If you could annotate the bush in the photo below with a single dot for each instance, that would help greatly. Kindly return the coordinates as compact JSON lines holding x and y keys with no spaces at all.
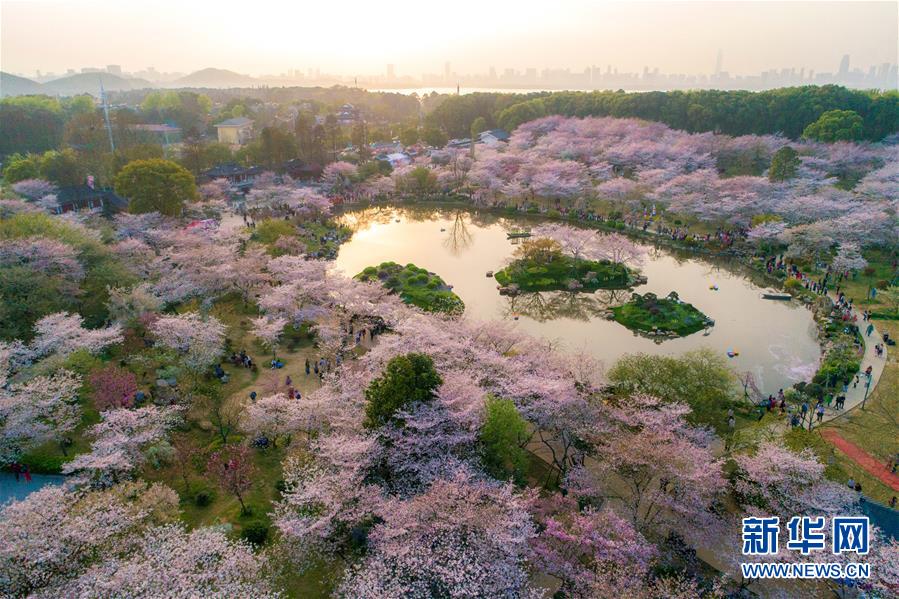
{"x":256,"y":532}
{"x":408,"y":379}
{"x":203,"y":496}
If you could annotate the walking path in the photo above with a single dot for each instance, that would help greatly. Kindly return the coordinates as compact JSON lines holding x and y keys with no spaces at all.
{"x":862,"y":458}
{"x":856,"y":394}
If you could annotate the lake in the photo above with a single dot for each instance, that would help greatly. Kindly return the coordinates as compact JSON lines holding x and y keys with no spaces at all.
{"x":776,"y":340}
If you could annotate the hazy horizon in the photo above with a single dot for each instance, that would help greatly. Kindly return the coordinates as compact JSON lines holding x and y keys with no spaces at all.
{"x":356,"y":38}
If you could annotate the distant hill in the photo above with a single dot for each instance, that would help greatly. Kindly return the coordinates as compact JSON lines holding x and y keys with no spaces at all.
{"x":214,"y":78}
{"x":89,"y":83}
{"x":13,"y":85}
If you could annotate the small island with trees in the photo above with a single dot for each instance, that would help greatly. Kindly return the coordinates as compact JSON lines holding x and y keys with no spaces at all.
{"x":415,"y":286}
{"x":560,"y":257}
{"x":667,"y":316}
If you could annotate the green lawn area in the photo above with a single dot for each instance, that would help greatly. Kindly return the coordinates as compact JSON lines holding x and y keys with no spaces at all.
{"x":416,"y":286}
{"x":876,"y":428}
{"x":320,"y":239}
{"x":648,"y":313}
{"x":563,"y":273}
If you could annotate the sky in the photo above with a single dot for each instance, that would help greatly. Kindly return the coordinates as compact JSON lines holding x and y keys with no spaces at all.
{"x":360,"y":37}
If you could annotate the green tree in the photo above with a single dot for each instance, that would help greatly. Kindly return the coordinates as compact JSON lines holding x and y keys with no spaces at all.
{"x":502,"y":438}
{"x":420,"y":181}
{"x":520,"y":113}
{"x":699,"y":378}
{"x":62,"y":168}
{"x":156,"y":186}
{"x":20,"y":167}
{"x":409,"y":137}
{"x":30,"y":124}
{"x":434,"y":137}
{"x":478,"y":126}
{"x":408,"y":379}
{"x":276,"y":147}
{"x":784,"y":164}
{"x":836,"y":125}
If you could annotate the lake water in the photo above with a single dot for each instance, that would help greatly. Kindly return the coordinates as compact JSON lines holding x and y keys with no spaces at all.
{"x":776,"y":340}
{"x":12,"y":489}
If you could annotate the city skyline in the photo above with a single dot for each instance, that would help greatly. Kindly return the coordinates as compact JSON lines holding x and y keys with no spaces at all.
{"x":846,"y":72}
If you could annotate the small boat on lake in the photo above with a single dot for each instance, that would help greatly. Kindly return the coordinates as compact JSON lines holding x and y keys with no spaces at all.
{"x":518,"y":233}
{"x":489,"y":273}
{"x":777,"y":296}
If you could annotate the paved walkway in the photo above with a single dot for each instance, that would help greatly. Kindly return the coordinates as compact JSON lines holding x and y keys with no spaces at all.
{"x":862,"y":458}
{"x":856,"y":395}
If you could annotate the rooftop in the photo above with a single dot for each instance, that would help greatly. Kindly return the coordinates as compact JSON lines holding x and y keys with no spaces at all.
{"x":240,"y":121}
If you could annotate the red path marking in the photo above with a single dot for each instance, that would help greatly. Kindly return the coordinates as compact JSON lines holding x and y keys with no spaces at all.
{"x":862,"y":458}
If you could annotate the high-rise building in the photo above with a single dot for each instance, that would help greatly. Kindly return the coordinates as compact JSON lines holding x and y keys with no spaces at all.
{"x":844,"y":66}
{"x":114,"y":69}
{"x":390,"y":72}
{"x":719,"y":60}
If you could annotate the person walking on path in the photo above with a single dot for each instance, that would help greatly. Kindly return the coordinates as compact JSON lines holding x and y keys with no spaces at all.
{"x":869,"y":330}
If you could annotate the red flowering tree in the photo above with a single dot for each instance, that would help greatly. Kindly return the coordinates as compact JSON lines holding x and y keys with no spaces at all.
{"x":233,"y":469}
{"x":113,"y":387}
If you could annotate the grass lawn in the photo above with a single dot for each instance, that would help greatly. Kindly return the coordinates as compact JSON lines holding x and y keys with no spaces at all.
{"x":648,"y":313}
{"x":416,"y":286}
{"x":316,"y":238}
{"x":876,"y":428}
{"x":564,"y":273}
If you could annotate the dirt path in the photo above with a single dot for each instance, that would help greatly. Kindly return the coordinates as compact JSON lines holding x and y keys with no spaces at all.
{"x":862,"y":458}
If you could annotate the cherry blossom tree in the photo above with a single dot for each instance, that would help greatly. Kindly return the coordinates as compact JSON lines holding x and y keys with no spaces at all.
{"x":55,"y":535}
{"x":171,"y":561}
{"x":232,"y":467}
{"x":63,"y":333}
{"x":118,"y":442}
{"x":777,"y":481}
{"x":113,"y":387}
{"x":849,"y":258}
{"x":462,"y":538}
{"x":44,"y":408}
{"x":621,"y":250}
{"x":199,"y":340}
{"x":34,"y":189}
{"x":338,"y":177}
{"x":666,"y":466}
{"x":43,"y":255}
{"x":217,"y":189}
{"x":269,"y":330}
{"x":584,"y":548}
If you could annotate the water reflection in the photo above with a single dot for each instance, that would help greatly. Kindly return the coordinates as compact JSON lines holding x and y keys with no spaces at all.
{"x":775,"y":340}
{"x":459,"y":238}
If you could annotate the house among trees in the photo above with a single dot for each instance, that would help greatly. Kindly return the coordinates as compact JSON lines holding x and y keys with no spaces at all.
{"x":156,"y":134}
{"x":72,"y":198}
{"x":492,"y":137}
{"x":236,"y":131}
{"x":347,"y":115}
{"x":237,"y":175}
{"x":298,"y":169}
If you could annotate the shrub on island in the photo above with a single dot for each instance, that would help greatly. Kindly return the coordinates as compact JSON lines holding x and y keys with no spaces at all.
{"x":415,"y":286}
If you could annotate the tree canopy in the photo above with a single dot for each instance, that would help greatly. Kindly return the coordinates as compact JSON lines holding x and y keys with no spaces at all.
{"x":156,"y":185}
{"x":408,"y":379}
{"x":836,"y":125}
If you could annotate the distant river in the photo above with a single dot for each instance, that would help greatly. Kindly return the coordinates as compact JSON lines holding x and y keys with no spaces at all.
{"x":776,"y":340}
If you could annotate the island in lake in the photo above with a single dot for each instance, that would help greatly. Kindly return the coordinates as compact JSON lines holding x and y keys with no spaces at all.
{"x":565,"y":273}
{"x":668,"y":316}
{"x":415,"y":286}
